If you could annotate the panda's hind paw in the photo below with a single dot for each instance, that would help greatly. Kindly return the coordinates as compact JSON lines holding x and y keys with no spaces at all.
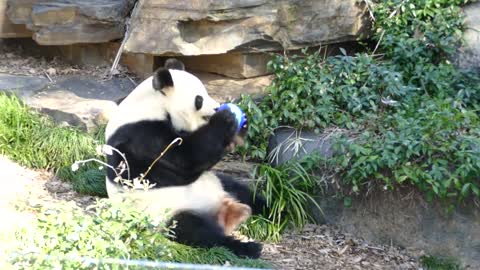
{"x":250,"y":250}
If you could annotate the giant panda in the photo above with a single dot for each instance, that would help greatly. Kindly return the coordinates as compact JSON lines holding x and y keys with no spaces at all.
{"x":205,"y":206}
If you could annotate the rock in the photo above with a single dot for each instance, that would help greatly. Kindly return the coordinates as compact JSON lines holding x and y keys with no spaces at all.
{"x":169,"y":27}
{"x":23,"y":86}
{"x":80,"y":101}
{"x":142,"y":65}
{"x":469,"y":56}
{"x":225,"y":89}
{"x":93,"y":88}
{"x":63,"y":22}
{"x":89,"y":54}
{"x":9,"y":29}
{"x":235,"y":65}
{"x":287,"y":144}
{"x":52,"y":71}
{"x":403,"y":218}
{"x":242,"y":171}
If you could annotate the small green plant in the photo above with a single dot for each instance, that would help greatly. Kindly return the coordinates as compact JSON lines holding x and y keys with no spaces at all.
{"x":287,"y":190}
{"x":437,"y":263}
{"x":105,"y":230}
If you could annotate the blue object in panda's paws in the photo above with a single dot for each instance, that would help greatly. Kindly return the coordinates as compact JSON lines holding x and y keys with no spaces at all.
{"x":239,"y":114}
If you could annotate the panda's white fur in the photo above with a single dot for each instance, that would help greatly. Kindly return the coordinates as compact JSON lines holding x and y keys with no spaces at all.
{"x":171,"y":200}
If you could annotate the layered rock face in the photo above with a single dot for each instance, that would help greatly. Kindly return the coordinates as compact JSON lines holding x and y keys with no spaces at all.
{"x":7,"y":28}
{"x":469,"y":56}
{"x":65,"y":22}
{"x":173,"y":27}
{"x":228,"y":37}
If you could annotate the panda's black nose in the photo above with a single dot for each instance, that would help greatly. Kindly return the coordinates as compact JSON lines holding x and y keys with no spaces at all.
{"x":216,"y":109}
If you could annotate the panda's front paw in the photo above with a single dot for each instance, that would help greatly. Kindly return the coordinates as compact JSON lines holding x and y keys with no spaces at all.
{"x":225,"y":124}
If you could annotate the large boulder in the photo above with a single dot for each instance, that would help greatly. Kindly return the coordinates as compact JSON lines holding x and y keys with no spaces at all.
{"x":81,"y":101}
{"x":469,"y":56}
{"x":64,"y":22}
{"x":170,"y":27}
{"x":7,"y":28}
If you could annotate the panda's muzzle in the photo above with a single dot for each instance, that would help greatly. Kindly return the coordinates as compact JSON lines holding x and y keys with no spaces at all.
{"x":207,"y":117}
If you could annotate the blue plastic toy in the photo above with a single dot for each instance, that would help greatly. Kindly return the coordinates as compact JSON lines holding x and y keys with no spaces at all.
{"x":239,"y":114}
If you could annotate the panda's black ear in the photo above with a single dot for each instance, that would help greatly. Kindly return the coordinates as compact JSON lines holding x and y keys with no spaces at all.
{"x":161,"y":79}
{"x":173,"y":63}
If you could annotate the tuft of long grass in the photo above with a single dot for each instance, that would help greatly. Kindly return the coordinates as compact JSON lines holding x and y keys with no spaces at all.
{"x":439,"y":263}
{"x":288,"y":190}
{"x":33,"y":140}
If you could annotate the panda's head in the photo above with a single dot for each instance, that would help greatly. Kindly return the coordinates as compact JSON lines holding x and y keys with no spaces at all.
{"x":170,"y":93}
{"x":185,"y":98}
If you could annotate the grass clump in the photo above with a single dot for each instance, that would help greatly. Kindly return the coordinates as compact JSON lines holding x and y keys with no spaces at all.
{"x":437,"y":263}
{"x":287,"y":190}
{"x":106,"y":230}
{"x":35,"y":141}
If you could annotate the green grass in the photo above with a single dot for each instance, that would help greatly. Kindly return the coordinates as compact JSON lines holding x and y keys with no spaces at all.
{"x":438,"y":263}
{"x":35,"y":141}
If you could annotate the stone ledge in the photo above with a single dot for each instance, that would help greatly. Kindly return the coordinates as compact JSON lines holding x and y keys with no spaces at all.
{"x":217,"y":27}
{"x":78,"y":101}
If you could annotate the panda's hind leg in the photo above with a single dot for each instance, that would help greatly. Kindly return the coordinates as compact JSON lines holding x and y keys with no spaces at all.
{"x":244,"y":194}
{"x":202,"y":231}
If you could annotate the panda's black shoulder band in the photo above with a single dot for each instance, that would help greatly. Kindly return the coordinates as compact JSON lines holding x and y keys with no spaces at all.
{"x":161,"y":79}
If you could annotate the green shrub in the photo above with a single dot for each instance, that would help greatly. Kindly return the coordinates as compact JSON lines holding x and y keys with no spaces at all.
{"x":435,"y":147}
{"x":106,"y":230}
{"x":408,"y":115}
{"x":308,"y":93}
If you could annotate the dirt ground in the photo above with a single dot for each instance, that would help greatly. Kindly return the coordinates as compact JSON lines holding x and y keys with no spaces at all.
{"x":326,"y":247}
{"x":18,"y":58}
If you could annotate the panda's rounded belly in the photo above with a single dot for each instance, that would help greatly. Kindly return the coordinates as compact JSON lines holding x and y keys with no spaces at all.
{"x":205,"y":195}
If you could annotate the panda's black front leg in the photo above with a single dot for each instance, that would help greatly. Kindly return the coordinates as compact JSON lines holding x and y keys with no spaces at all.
{"x":206,"y":146}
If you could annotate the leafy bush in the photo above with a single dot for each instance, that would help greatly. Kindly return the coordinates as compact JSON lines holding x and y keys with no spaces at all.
{"x":411,"y":116}
{"x":66,"y":233}
{"x":312,"y":94}
{"x":435,"y":147}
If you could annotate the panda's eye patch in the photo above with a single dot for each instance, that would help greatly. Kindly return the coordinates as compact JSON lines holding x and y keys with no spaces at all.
{"x":198,"y":102}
